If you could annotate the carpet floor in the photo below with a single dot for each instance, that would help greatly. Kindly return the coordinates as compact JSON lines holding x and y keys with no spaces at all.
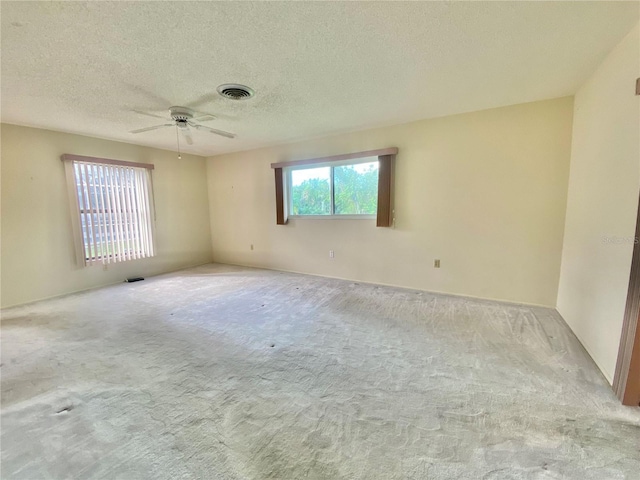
{"x":223,"y":372}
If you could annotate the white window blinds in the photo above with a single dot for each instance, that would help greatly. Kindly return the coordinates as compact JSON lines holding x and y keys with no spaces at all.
{"x":113,"y":205}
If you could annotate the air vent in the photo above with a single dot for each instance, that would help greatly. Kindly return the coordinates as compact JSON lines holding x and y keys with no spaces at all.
{"x":234,"y":91}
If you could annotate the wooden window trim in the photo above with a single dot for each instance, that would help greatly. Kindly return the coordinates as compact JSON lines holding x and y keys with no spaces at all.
{"x":384,"y":217}
{"x":68,"y":157}
{"x":337,"y":158}
{"x":280,"y":212}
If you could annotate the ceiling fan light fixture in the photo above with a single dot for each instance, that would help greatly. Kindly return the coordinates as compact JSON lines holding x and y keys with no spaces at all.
{"x":235,"y":91}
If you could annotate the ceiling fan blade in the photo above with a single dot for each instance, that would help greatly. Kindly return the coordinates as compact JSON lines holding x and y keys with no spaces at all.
{"x":187,"y":135}
{"x":204,"y":99}
{"x":149,"y":114}
{"x":155,"y":127}
{"x":213,"y":130}
{"x":205,"y":117}
{"x":152,"y":98}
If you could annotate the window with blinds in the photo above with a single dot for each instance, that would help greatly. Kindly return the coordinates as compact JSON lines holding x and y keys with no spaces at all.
{"x":112,"y":202}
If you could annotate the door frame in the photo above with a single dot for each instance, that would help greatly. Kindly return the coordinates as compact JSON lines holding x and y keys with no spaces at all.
{"x":626,"y":382}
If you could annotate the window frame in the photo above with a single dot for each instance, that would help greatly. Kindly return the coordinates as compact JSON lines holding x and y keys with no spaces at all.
{"x":288,"y":172}
{"x":139,"y":210}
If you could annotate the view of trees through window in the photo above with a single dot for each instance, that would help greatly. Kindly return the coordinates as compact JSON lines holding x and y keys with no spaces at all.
{"x":311,"y":191}
{"x":355,"y":190}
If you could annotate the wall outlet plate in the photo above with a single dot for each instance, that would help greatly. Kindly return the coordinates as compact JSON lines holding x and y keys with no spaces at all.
{"x":436,"y":263}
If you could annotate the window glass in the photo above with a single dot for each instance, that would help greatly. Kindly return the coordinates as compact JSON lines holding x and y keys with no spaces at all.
{"x":350,"y":189}
{"x":356,"y":189}
{"x":311,"y":191}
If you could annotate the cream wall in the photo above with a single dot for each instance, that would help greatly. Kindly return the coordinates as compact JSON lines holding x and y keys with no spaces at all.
{"x":37,"y":256}
{"x":484,"y":192}
{"x":602,"y":202}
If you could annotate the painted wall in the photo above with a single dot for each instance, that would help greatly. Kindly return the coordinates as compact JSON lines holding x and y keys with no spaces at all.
{"x":602,"y":204}
{"x":37,"y":256}
{"x":484,"y":192}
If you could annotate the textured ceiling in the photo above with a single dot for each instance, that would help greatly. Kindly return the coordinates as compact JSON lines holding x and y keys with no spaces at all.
{"x":317,"y":68}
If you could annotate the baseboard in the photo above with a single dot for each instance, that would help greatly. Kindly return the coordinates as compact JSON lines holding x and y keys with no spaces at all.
{"x":110,"y":284}
{"x":406,"y":287}
{"x":587,"y":350}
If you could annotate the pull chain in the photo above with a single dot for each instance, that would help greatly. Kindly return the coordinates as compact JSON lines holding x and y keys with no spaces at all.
{"x":178,"y":140}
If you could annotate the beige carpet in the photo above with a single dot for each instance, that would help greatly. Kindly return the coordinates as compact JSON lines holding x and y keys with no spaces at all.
{"x":229,"y":373}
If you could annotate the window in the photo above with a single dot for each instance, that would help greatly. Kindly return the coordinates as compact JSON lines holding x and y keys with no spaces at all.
{"x":112,"y":209}
{"x":351,"y":184}
{"x":347,"y":189}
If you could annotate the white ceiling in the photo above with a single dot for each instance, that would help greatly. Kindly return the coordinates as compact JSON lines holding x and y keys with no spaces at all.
{"x":317,"y":68}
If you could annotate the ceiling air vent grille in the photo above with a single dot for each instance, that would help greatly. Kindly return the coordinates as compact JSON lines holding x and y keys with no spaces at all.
{"x":234,"y":91}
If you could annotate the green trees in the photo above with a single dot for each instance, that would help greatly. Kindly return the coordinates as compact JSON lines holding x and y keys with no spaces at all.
{"x":312,"y":197}
{"x":355,"y":192}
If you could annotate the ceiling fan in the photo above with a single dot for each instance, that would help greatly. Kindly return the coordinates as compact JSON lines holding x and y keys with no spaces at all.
{"x":183,"y":118}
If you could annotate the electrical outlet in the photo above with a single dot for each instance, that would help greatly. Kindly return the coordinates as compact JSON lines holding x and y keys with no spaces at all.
{"x":331,"y":254}
{"x":252,"y":246}
{"x":436,"y":263}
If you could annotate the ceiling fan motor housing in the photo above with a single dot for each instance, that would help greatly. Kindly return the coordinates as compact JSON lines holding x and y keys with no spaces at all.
{"x":181,"y":115}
